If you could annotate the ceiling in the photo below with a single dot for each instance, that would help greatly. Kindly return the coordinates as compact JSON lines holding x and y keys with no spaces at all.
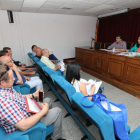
{"x":69,"y":7}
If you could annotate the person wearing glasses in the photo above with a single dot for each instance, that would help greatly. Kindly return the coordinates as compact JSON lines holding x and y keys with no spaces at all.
{"x":13,"y":108}
{"x":19,"y":78}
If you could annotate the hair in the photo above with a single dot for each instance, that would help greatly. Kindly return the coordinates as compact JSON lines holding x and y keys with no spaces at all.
{"x":138,"y":45}
{"x":6,"y":48}
{"x":43,"y":51}
{"x":120,"y":36}
{"x":2,"y":53}
{"x":73,"y":72}
{"x":33,"y":47}
{"x":5,"y":77}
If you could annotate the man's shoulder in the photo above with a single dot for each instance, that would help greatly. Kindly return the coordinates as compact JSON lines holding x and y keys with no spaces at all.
{"x":123,"y":41}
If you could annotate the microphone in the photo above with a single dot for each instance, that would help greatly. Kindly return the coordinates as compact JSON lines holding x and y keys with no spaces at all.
{"x":91,"y":42}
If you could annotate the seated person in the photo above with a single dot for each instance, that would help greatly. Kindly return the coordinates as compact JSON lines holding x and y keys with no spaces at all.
{"x":136,"y":48}
{"x":119,"y":45}
{"x":14,"y":115}
{"x":38,"y":53}
{"x":26,"y":71}
{"x":34,"y":47}
{"x":2,"y":53}
{"x":20,"y":79}
{"x":73,"y":77}
{"x":45,"y":60}
{"x":17,"y":63}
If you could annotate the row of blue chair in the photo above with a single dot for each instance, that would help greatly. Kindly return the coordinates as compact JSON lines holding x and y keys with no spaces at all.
{"x":93,"y":121}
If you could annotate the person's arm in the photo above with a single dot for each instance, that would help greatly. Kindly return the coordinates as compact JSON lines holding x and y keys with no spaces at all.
{"x":27,"y":123}
{"x":20,"y":81}
{"x":111,"y":46}
{"x":57,"y":67}
{"x":133,"y":48}
{"x":27,"y":73}
{"x":121,"y":50}
{"x":83,"y":90}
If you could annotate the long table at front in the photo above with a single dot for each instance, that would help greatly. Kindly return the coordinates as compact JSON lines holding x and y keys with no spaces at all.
{"x":120,"y":71}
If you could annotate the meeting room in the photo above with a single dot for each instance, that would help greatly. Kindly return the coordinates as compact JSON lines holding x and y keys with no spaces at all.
{"x":69,"y":69}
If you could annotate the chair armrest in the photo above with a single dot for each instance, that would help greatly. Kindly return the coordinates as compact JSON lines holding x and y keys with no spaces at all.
{"x":24,"y":89}
{"x":38,"y":126}
{"x":24,"y":137}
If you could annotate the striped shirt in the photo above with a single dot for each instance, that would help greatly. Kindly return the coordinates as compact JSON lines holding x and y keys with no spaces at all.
{"x":121,"y":45}
{"x":46,"y":61}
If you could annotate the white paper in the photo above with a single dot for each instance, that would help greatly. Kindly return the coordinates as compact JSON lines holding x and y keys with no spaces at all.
{"x":113,"y":108}
{"x":61,"y":63}
{"x":32,"y":106}
{"x":91,"y":82}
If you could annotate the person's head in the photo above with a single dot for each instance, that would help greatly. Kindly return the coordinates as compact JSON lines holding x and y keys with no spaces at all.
{"x":73,"y":72}
{"x":34,"y":47}
{"x":4,"y":53}
{"x":118,"y":38}
{"x":9,"y":50}
{"x":6,"y":77}
{"x":6,"y":60}
{"x":138,"y":43}
{"x":38,"y":51}
{"x":45,"y":52}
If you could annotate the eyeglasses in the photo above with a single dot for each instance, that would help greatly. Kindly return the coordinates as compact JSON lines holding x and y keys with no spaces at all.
{"x":10,"y":61}
{"x":6,"y":69}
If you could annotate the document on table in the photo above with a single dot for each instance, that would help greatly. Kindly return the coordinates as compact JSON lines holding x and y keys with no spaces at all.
{"x":91,"y":82}
{"x":61,"y":63}
{"x":32,"y":105}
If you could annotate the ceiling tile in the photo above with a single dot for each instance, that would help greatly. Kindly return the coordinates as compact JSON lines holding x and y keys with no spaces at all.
{"x":117,"y":2}
{"x":33,"y":3}
{"x":54,"y":6}
{"x":100,"y":1}
{"x":42,"y":10}
{"x":12,"y":8}
{"x":11,"y":2}
{"x":57,"y":1}
{"x":29,"y":9}
{"x":89,"y":5}
{"x":100,"y":8}
{"x":76,"y":3}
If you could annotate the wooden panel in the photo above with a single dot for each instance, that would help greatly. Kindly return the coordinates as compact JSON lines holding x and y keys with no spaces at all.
{"x":115,"y":68}
{"x":88,"y":60}
{"x":79,"y":56}
{"x":133,"y":74}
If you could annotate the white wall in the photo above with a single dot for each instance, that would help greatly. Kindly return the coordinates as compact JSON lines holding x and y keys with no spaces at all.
{"x":58,"y":33}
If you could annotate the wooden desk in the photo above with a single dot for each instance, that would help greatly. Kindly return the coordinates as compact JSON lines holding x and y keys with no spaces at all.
{"x":120,"y":71}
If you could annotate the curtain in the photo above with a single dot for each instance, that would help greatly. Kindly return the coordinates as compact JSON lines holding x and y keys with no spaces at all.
{"x":128,"y":25}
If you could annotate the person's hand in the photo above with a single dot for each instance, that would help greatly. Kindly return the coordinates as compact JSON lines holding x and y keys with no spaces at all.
{"x":45,"y":108}
{"x":127,"y":50}
{"x":58,"y":66}
{"x":108,"y":48}
{"x":29,"y":96}
{"x":27,"y":78}
{"x":14,"y":67}
{"x":36,"y":94}
{"x":33,"y":72}
{"x":54,"y":61}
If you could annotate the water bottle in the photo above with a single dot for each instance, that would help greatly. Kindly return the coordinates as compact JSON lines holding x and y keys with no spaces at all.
{"x":113,"y":49}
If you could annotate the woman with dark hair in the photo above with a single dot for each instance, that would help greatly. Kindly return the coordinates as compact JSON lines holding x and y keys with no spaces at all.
{"x":73,"y":77}
{"x":136,"y":48}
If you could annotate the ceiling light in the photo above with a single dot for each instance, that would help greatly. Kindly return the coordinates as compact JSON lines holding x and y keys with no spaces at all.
{"x":113,"y":13}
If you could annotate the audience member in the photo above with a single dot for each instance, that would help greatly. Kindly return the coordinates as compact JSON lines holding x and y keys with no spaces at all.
{"x":14,"y":115}
{"x":20,"y":79}
{"x":34,"y":47}
{"x":45,"y":59}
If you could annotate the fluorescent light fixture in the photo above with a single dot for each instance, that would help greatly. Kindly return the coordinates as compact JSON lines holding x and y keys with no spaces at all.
{"x":33,"y":3}
{"x":113,"y":13}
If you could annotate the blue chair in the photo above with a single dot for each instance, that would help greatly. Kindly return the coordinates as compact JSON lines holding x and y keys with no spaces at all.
{"x":24,"y":137}
{"x":37,"y":132}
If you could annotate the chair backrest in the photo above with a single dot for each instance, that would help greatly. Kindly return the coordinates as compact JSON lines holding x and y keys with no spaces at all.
{"x":129,"y":45}
{"x":102,"y":123}
{"x":106,"y":45}
{"x":97,"y":45}
{"x":2,"y":132}
{"x":64,"y":88}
